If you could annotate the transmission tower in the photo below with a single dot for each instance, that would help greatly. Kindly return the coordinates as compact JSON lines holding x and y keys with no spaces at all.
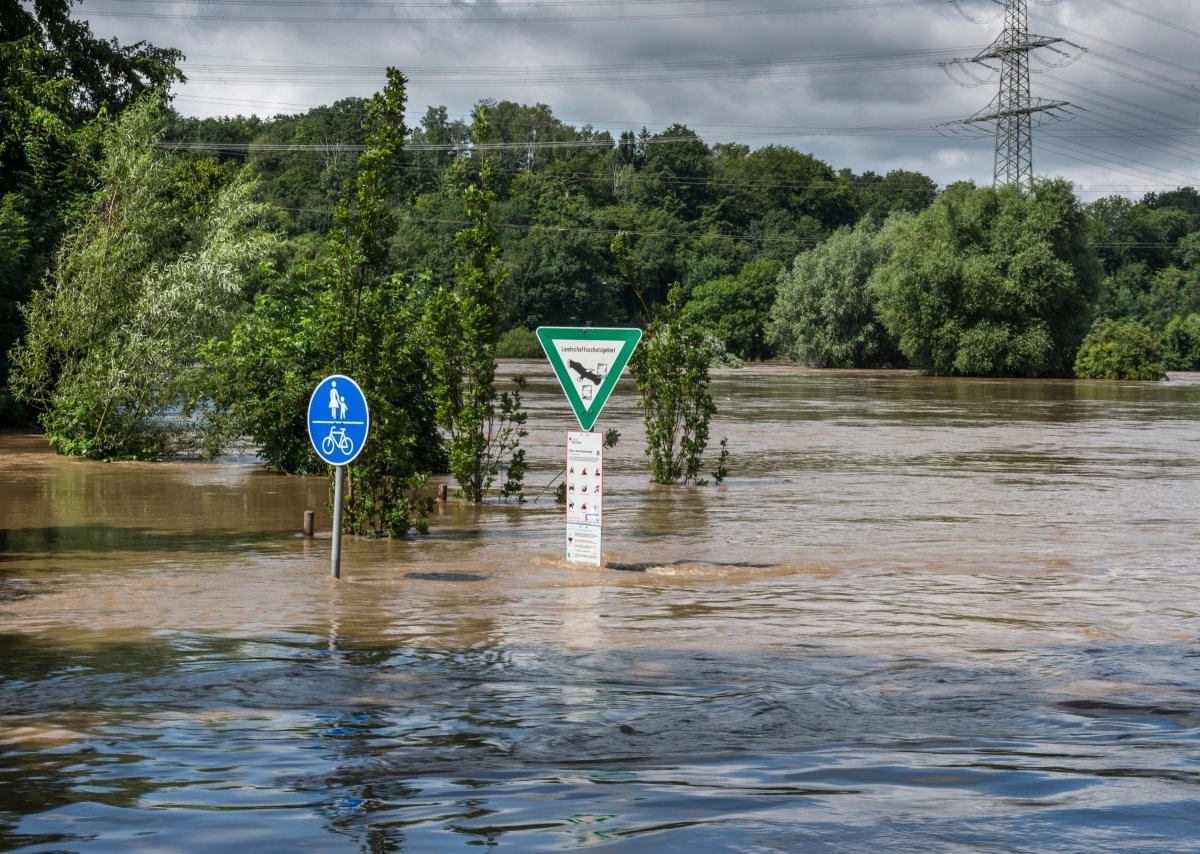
{"x":1013,"y":110}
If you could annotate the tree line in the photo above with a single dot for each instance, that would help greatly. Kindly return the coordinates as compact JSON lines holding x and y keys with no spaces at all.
{"x":163,"y":271}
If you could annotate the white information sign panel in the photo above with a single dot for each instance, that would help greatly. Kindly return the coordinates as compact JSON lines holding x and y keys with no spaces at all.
{"x":585,"y":477}
{"x":583,"y":543}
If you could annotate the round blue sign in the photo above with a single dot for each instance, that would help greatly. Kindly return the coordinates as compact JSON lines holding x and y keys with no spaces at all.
{"x":338,"y":420}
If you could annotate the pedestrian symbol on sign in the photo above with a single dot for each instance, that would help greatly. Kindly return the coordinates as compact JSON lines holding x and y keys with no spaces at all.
{"x":338,"y":438}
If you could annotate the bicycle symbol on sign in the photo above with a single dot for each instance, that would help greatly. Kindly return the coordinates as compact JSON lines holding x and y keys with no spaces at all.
{"x":337,"y":438}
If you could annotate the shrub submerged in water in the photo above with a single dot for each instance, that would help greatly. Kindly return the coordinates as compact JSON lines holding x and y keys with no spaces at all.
{"x":518,"y":343}
{"x":1119,"y":350}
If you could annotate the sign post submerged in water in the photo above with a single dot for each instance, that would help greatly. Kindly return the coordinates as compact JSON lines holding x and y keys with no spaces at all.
{"x":338,"y":422}
{"x":588,"y":362}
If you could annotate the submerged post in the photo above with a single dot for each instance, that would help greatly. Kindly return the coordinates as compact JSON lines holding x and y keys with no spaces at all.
{"x":339,"y":484}
{"x":310,"y":523}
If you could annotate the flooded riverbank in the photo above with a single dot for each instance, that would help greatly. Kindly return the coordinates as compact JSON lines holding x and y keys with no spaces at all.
{"x":954,"y":614}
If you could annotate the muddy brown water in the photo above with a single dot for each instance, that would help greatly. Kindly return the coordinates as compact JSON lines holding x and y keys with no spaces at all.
{"x":958,"y":615}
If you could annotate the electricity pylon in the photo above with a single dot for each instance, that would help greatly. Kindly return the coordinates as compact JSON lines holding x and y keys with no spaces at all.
{"x":1014,"y":108}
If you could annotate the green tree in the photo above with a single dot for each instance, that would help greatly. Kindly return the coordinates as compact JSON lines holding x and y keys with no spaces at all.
{"x":55,"y":77}
{"x":1172,"y":292}
{"x":990,"y":282}
{"x":155,"y":264}
{"x":100,"y":72}
{"x":1181,"y":343}
{"x":557,"y":264}
{"x":1119,"y":350}
{"x":825,"y":314}
{"x":484,"y":427}
{"x":736,"y":308}
{"x":671,"y":368}
{"x":899,"y":191}
{"x":346,"y":312}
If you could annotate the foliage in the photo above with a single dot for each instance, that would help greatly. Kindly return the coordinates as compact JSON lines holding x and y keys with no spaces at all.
{"x":1181,"y":343}
{"x":518,"y":343}
{"x":1120,"y":350}
{"x":1171,"y":292}
{"x":345,"y":312}
{"x":898,"y":191}
{"x":825,"y":314}
{"x":989,"y":282}
{"x":154,"y":265}
{"x":671,"y":368}
{"x":736,"y":308}
{"x":55,"y":78}
{"x":484,"y":428}
{"x":101,"y":72}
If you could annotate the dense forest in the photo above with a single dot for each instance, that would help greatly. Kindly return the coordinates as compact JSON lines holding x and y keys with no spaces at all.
{"x":150,"y":261}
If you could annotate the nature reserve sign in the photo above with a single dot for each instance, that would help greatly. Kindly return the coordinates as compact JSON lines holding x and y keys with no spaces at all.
{"x":588,"y":362}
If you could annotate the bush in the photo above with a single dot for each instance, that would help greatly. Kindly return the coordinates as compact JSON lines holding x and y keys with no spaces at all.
{"x":1181,"y":343}
{"x":1119,"y":350}
{"x":518,"y":343}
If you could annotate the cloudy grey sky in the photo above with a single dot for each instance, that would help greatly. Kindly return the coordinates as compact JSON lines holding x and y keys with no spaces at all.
{"x":858,"y":83}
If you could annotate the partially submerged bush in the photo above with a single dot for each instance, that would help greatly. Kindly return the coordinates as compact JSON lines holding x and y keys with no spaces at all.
{"x":518,"y":343}
{"x":1119,"y":350}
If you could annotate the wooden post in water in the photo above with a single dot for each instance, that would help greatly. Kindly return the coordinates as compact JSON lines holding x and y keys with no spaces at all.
{"x":310,"y":519}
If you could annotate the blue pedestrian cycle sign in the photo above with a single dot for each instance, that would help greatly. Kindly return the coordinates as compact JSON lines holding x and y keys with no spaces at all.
{"x":338,"y":420}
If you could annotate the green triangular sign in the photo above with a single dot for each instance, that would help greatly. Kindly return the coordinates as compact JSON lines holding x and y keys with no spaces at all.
{"x":588,"y":363}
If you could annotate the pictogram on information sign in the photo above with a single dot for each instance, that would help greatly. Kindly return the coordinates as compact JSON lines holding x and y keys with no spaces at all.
{"x":585,"y":478}
{"x":588,"y":362}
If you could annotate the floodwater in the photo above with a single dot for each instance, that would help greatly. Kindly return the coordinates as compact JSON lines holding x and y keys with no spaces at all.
{"x":954,"y":615}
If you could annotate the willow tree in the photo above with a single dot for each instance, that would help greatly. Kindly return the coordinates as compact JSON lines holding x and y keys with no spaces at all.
{"x":990,"y":282}
{"x":154,"y":265}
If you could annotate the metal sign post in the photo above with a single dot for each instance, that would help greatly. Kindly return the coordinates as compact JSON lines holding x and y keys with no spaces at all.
{"x":588,"y":362}
{"x":338,"y":423}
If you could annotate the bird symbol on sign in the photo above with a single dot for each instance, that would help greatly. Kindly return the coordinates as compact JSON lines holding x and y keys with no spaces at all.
{"x":584,"y":373}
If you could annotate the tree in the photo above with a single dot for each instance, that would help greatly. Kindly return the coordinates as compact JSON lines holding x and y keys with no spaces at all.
{"x":100,"y":72}
{"x":736,"y":308}
{"x":899,"y":191}
{"x":1119,"y":350}
{"x":671,"y":370}
{"x":346,"y":312}
{"x":675,"y":172}
{"x":1181,"y":343}
{"x":484,"y":427}
{"x":557,"y":264}
{"x":825,"y":314}
{"x":155,"y":264}
{"x":55,"y":77}
{"x":990,"y":282}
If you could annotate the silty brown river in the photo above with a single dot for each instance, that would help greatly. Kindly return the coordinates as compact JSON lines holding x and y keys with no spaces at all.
{"x":953,"y":615}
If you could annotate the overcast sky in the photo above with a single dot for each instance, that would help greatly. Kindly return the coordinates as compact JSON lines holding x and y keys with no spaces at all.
{"x":858,"y":83}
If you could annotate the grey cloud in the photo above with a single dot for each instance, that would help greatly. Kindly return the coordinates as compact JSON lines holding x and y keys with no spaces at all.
{"x":1104,"y":143}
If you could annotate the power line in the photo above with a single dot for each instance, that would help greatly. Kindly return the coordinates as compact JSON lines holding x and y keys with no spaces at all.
{"x":527,"y":19}
{"x":1166,"y":23}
